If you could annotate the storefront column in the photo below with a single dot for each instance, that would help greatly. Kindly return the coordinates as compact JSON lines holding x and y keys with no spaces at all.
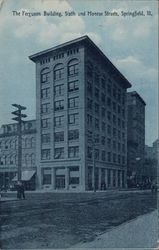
{"x":99,"y":178}
{"x":106,"y":178}
{"x":67,"y":179}
{"x":53,"y":178}
{"x":116,"y":178}
{"x":111,"y":178}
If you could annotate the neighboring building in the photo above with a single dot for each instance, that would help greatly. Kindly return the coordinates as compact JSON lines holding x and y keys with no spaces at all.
{"x":156,"y":149}
{"x":136,"y":137}
{"x":150,"y":163}
{"x":81,"y":116}
{"x":9,"y":154}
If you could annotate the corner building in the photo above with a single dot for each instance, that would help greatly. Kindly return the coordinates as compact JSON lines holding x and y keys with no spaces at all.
{"x":81,"y":118}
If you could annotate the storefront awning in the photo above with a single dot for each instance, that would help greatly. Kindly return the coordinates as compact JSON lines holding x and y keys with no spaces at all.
{"x":26,"y":175}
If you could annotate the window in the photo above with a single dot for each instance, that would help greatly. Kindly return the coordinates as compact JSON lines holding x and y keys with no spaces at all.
{"x":46,"y":176}
{"x":73,"y":86}
{"x":73,"y":118}
{"x":119,"y":134}
{"x":73,"y":152}
{"x":59,"y":105}
{"x":97,"y":93}
{"x":32,"y":142}
{"x":103,"y":126}
{"x":96,"y":108}
{"x":89,"y":104}
{"x":109,"y":115}
{"x":58,"y":72}
{"x":59,"y":121}
{"x":97,"y":154}
{"x":103,"y":98}
{"x":123,"y":113}
{"x":89,"y":152}
{"x":32,"y":159}
{"x":109,"y":89}
{"x":96,"y":79}
{"x":123,"y":159}
{"x":114,"y":119}
{"x":114,"y":145}
{"x":123,"y":148}
{"x":103,"y":83}
{"x":109,"y":102}
{"x":74,"y":180}
{"x":59,"y":90}
{"x":119,"y":109}
{"x":123,"y":124}
{"x":103,"y":112}
{"x":45,"y":75}
{"x":97,"y":124}
{"x":45,"y":93}
{"x":90,"y":70}
{"x":59,"y":136}
{"x":119,"y":159}
{"x":114,"y":132}
{"x":45,"y":123}
{"x":27,"y":159}
{"x":45,"y":138}
{"x":73,"y":102}
{"x":45,"y":154}
{"x":103,"y":140}
{"x":109,"y":156}
{"x":89,"y":119}
{"x":73,"y":134}
{"x":109,"y":130}
{"x":114,"y":92}
{"x":119,"y":122}
{"x":103,"y":155}
{"x":114,"y":106}
{"x":109,"y":143}
{"x":45,"y":108}
{"x":59,"y":153}
{"x":73,"y":67}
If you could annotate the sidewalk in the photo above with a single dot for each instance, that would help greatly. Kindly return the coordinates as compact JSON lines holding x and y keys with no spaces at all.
{"x":141,"y":232}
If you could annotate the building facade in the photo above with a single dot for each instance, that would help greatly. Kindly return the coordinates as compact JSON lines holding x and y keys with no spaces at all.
{"x":9,"y":154}
{"x":81,"y":139}
{"x":135,"y":137}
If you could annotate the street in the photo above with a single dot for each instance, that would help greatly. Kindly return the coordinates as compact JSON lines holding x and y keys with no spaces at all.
{"x":58,"y":220}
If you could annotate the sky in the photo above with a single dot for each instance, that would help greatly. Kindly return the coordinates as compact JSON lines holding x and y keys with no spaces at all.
{"x":131,"y":44}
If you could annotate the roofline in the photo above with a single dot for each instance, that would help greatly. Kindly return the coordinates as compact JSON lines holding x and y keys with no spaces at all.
{"x":136,"y":94}
{"x":33,"y":120}
{"x":80,"y":39}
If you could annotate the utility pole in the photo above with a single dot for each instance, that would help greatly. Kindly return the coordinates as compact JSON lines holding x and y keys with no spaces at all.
{"x":18,"y":118}
{"x":92,"y":140}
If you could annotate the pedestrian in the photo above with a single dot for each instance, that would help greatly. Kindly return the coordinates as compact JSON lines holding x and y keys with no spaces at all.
{"x":18,"y":190}
{"x":22,"y":191}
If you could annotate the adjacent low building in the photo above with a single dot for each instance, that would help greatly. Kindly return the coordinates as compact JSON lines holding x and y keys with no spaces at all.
{"x":9,"y":154}
{"x":81,"y":113}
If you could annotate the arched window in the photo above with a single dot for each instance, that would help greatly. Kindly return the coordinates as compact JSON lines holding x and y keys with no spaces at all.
{"x":27,"y":142}
{"x":16,"y":144}
{"x":11,"y":160}
{"x":73,"y":67}
{"x":27,"y":159}
{"x":32,"y":159}
{"x":45,"y":75}
{"x":58,"y":71}
{"x":6,"y":144}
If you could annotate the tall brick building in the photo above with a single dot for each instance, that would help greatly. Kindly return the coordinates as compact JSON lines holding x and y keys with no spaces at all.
{"x":81,"y":118}
{"x":136,"y":136}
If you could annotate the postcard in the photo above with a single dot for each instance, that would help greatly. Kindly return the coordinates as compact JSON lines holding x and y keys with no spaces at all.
{"x":79,"y":141}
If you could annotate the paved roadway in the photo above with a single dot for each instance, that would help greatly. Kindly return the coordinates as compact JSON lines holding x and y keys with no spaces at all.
{"x":56,"y":220}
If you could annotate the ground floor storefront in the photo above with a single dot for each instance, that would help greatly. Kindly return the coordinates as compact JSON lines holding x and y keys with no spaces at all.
{"x":72,"y":178}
